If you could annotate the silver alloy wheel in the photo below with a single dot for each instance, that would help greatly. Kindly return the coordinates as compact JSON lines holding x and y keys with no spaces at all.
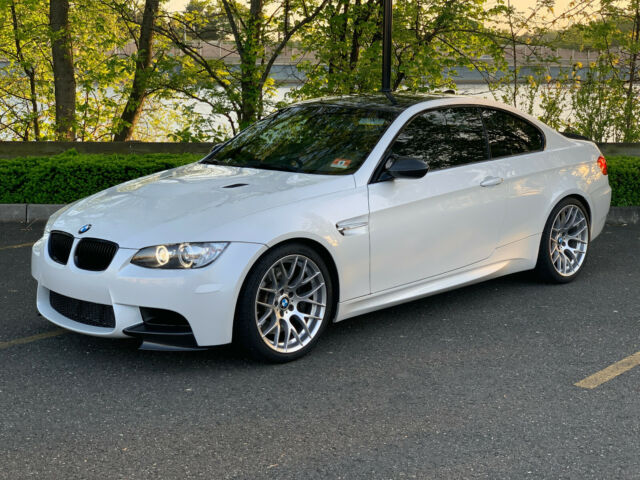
{"x":569,"y":240}
{"x":291,"y":303}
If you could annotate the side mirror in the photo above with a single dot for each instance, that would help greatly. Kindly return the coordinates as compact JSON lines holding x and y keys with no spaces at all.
{"x":399,"y":166}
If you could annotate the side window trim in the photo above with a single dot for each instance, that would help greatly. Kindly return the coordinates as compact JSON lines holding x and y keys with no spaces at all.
{"x":497,"y":109}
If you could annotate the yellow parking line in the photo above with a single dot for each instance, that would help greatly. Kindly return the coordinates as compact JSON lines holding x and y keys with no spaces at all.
{"x":32,"y":338}
{"x":611,"y":372}
{"x":21,"y":245}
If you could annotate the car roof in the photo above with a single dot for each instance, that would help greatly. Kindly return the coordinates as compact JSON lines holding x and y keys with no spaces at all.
{"x":397,"y":102}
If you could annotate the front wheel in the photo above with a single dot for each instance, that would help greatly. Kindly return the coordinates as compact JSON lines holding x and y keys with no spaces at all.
{"x":564,"y":243}
{"x":285,"y":304}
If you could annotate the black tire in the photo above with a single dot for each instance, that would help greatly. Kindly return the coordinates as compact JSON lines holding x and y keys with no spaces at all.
{"x":545,"y":268}
{"x":246,"y":330}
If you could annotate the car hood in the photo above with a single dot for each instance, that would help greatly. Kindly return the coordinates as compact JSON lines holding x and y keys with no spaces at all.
{"x":189,"y":203}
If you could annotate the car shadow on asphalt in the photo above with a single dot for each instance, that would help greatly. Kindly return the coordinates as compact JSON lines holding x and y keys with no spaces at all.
{"x":428,"y":318}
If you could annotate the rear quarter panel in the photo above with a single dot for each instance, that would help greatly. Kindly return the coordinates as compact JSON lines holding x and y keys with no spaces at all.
{"x":538,"y":181}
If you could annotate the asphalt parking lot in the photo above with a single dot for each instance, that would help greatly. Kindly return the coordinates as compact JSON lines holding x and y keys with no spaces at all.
{"x":474,"y":383}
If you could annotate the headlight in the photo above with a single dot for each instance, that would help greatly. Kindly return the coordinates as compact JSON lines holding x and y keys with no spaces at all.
{"x":179,"y":255}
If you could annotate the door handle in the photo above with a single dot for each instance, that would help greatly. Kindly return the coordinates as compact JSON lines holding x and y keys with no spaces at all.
{"x":491,"y":181}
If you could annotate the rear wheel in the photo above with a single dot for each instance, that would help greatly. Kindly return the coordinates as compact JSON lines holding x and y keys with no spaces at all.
{"x":285,"y":304}
{"x":564,"y":243}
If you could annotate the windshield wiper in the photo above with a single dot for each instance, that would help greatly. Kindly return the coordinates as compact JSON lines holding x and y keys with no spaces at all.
{"x":210,"y":161}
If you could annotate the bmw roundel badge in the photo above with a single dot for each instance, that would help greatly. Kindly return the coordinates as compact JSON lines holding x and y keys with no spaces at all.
{"x":84,"y":228}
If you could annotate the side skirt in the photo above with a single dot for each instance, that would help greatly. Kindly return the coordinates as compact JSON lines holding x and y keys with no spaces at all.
{"x":511,"y":258}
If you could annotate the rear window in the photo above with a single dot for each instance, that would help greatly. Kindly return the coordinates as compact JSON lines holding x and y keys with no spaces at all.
{"x":510,"y":135}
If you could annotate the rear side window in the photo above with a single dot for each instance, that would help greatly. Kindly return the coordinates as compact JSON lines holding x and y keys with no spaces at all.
{"x":444,"y":138}
{"x":510,"y":135}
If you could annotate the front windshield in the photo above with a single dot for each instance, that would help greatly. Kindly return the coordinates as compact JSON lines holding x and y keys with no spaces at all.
{"x":322,"y":139}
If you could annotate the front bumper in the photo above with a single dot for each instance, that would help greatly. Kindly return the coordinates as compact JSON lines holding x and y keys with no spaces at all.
{"x":205,"y":297}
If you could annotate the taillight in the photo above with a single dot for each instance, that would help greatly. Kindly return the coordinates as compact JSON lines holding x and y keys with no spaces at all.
{"x":602,"y":163}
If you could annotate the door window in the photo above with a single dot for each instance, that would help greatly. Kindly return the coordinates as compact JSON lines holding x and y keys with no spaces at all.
{"x":510,"y":135}
{"x":444,"y":138}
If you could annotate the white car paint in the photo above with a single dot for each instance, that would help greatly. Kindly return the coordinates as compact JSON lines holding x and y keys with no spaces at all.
{"x":390,"y":242}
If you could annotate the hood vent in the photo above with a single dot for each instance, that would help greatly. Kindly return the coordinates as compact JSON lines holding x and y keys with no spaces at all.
{"x":236,"y":185}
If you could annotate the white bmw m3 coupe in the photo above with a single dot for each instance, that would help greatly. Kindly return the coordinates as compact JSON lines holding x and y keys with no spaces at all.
{"x":322,"y":211}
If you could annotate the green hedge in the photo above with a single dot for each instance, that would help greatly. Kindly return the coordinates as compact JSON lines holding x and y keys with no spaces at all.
{"x":69,"y":176}
{"x":66,"y":177}
{"x":624,"y":178}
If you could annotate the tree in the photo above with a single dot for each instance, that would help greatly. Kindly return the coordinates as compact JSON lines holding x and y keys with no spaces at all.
{"x":525,"y":43}
{"x":63,"y":71}
{"x":257,"y":34}
{"x":605,"y":102}
{"x":431,"y":40}
{"x":139,"y":88}
{"x":214,"y":25}
{"x":626,"y":58}
{"x":104,"y":60}
{"x":23,"y":74}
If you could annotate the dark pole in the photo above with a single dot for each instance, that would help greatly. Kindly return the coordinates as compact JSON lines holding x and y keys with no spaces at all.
{"x":387,"y":22}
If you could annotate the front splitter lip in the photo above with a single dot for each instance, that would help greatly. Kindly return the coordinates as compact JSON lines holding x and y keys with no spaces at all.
{"x":181,"y":337}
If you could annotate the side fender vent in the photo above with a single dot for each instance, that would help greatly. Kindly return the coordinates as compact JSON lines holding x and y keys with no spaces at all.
{"x":236,"y":185}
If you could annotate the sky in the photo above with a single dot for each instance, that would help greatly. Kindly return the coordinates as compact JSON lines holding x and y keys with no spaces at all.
{"x":519,"y":4}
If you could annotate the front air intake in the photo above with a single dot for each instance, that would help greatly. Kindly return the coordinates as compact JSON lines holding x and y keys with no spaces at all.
{"x":94,"y":254}
{"x":88,"y":313}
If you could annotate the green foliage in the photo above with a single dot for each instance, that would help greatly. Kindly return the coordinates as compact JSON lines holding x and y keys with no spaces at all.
{"x":600,"y":100}
{"x":190,"y":95}
{"x":209,"y":23}
{"x":26,"y":86}
{"x":431,"y":38}
{"x":103,"y":35}
{"x":69,"y":176}
{"x":597,"y":103}
{"x":238,"y":86}
{"x":624,"y":178}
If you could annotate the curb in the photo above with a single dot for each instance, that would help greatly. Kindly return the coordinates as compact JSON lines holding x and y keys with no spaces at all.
{"x":623,"y":215}
{"x":29,"y":212}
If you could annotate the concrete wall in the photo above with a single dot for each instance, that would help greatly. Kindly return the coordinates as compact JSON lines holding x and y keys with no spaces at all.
{"x":30,"y":149}
{"x":38,"y":149}
{"x":632,"y":149}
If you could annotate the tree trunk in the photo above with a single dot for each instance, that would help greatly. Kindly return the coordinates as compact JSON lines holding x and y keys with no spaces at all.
{"x":629,"y":134}
{"x":251,"y":89}
{"x":30,"y":72}
{"x":131,"y":113}
{"x":63,"y":70}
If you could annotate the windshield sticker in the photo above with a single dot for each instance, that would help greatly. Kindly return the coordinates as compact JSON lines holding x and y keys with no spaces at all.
{"x":372,"y":122}
{"x":341,"y":163}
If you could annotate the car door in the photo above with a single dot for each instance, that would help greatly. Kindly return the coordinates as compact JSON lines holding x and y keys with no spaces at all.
{"x":518,"y":146}
{"x":450,"y":218}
